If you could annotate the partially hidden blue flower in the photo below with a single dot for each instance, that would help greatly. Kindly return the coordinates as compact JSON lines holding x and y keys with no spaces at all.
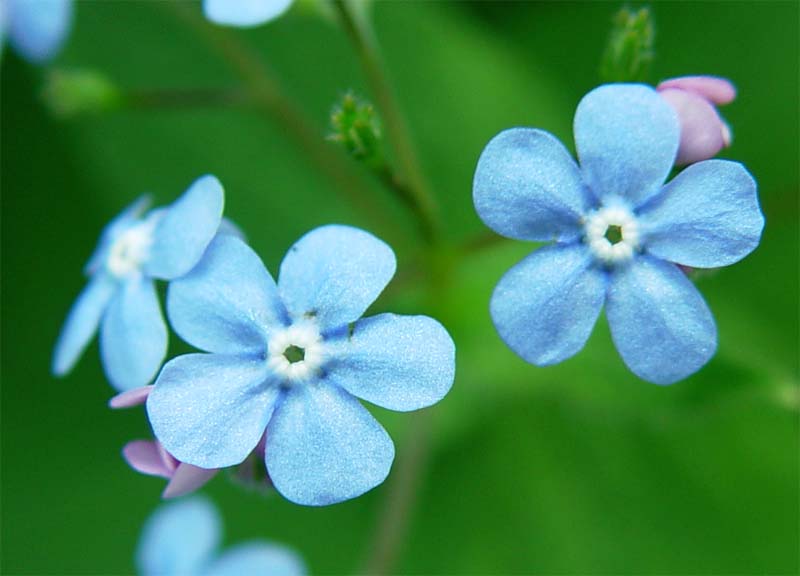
{"x":150,"y":458}
{"x":244,"y":13}
{"x":36,"y":29}
{"x":618,"y":234}
{"x":182,"y":538}
{"x":291,"y":359}
{"x":703,"y":131}
{"x":134,"y":250}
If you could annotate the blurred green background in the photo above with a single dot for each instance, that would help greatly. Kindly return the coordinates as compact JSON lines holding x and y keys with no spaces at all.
{"x":577,"y":468}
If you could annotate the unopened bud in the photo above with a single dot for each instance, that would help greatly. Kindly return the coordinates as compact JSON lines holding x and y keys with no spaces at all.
{"x":629,"y":51}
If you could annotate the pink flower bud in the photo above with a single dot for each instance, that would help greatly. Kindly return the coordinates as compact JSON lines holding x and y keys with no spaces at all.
{"x":703,"y":131}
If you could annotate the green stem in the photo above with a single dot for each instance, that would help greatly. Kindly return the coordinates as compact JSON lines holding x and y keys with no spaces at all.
{"x":267,"y":95}
{"x":418,"y":195}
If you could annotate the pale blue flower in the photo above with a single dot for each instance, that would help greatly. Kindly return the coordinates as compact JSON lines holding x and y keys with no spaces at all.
{"x":182,"y":538}
{"x":134,"y":250}
{"x":244,"y":13}
{"x":291,"y":358}
{"x":619,"y":234}
{"x":36,"y":29}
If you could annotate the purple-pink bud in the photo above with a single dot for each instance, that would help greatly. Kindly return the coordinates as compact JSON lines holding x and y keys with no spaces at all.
{"x":703,"y":131}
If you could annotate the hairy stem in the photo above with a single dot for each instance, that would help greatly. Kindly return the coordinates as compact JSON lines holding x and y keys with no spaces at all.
{"x":411,"y":186}
{"x":266,"y":94}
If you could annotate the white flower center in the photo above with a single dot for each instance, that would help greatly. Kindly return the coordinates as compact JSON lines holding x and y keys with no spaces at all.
{"x":612,"y":234}
{"x":130,"y":249}
{"x":296,"y":353}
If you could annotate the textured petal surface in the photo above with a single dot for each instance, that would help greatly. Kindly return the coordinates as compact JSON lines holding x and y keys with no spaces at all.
{"x":186,"y":479}
{"x":133,"y":335}
{"x":257,"y":558}
{"x":712,"y":88}
{"x":527,"y":186}
{"x":147,"y":457}
{"x":708,"y":216}
{"x":334,"y":273}
{"x":186,"y":228}
{"x":210,"y":410}
{"x":702,"y":130}
{"x":179,"y":539}
{"x":38,"y":28}
{"x":130,"y":398}
{"x":398,"y":362}
{"x":324,"y":447}
{"x":82,"y":322}
{"x":545,"y":307}
{"x":228,"y":303}
{"x":660,"y":323}
{"x":244,"y":13}
{"x":627,"y":138}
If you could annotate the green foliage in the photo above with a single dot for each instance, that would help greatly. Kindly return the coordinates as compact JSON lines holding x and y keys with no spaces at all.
{"x":74,"y":91}
{"x":629,"y":51}
{"x":355,"y":125}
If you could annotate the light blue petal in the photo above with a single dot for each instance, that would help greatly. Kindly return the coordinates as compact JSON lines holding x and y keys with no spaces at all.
{"x":38,"y":28}
{"x":660,"y":323}
{"x":708,"y":216}
{"x":324,"y":447}
{"x":627,"y":138}
{"x":398,"y":362}
{"x":334,"y":273}
{"x":133,"y":335}
{"x":186,"y":228}
{"x":229,"y":227}
{"x":124,"y":220}
{"x":228,"y":303}
{"x":545,"y":307}
{"x":256,"y":558}
{"x":82,"y":322}
{"x":179,"y":539}
{"x":211,"y":410}
{"x":244,"y":13}
{"x":528,"y":187}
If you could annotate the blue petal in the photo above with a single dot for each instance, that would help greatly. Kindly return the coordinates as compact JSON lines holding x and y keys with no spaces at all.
{"x":211,"y":410}
{"x":244,"y":13}
{"x":708,"y":216}
{"x":133,"y":335}
{"x":627,"y":138}
{"x":257,"y":558}
{"x":124,"y":220}
{"x":228,"y":303}
{"x":38,"y":28}
{"x":334,"y":273}
{"x":527,"y":186}
{"x":545,"y":307}
{"x":185,"y":230}
{"x":324,"y":447}
{"x":82,"y":322}
{"x":659,"y":321}
{"x":398,"y":362}
{"x":179,"y":538}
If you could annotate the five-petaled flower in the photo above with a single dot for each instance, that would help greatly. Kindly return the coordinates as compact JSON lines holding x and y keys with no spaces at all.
{"x":182,"y":538}
{"x":36,"y":28}
{"x":291,"y":358}
{"x":121,"y":298}
{"x":619,"y":234}
{"x":244,"y":13}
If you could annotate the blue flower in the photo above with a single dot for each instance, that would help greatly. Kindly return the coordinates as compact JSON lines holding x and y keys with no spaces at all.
{"x":36,"y":28}
{"x":182,"y":539}
{"x":135,"y":249}
{"x":619,"y":234}
{"x":291,"y":359}
{"x":244,"y":13}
